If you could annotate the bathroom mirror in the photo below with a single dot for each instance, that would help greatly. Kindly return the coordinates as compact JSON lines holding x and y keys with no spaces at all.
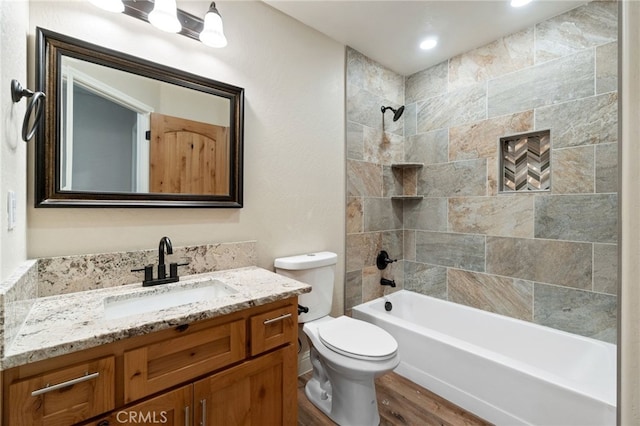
{"x":120,"y":131}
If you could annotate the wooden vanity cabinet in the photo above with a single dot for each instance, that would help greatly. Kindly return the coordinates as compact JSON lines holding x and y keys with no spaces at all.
{"x":237,"y":369}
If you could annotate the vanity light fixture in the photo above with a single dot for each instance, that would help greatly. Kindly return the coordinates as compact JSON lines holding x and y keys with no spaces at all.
{"x":164,"y":16}
{"x":210,"y":34}
{"x":109,"y":5}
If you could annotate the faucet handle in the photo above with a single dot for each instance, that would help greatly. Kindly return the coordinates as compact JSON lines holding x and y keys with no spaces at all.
{"x":383,"y":260}
{"x":173,"y":268}
{"x":148,"y":272}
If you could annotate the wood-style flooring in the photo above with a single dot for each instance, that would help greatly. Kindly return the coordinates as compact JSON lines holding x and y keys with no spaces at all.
{"x":400,"y":402}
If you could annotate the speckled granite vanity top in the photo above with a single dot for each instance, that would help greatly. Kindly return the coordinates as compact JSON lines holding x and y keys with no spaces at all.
{"x":62,"y":324}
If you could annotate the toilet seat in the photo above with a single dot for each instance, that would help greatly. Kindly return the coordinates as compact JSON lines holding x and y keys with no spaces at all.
{"x":357,"y":339}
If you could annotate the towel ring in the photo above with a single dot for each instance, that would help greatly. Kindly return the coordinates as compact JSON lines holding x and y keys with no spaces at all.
{"x":36,"y":102}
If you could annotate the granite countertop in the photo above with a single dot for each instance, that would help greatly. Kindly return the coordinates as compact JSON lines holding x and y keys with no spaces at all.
{"x":63,"y":324}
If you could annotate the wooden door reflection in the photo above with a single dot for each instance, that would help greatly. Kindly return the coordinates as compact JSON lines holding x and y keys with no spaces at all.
{"x":188,"y":157}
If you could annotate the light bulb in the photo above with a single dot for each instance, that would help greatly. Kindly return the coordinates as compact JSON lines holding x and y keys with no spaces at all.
{"x":164,"y":16}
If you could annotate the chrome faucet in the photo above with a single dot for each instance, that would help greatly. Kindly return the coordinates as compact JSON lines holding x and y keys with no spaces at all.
{"x":165,"y":244}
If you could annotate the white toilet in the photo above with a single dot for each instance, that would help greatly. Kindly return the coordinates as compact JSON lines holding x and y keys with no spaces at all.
{"x":346,"y":354}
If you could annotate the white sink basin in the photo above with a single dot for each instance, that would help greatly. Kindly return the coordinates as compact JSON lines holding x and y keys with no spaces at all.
{"x":122,"y":305}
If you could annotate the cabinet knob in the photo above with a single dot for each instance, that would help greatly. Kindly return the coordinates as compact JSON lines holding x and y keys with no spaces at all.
{"x":182,"y":327}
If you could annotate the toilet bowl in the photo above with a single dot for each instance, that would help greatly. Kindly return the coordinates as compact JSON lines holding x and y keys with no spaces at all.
{"x":346,"y":354}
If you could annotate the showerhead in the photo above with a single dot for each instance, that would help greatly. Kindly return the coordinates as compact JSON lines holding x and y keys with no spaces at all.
{"x":397,"y":113}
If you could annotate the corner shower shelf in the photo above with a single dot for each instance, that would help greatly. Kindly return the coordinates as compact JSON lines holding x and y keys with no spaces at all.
{"x":407,"y":165}
{"x":409,"y":176}
{"x":407,"y":197}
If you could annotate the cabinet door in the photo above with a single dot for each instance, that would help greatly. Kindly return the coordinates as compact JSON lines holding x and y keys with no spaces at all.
{"x":258,"y":392}
{"x":169,"y":409}
{"x":64,"y":396}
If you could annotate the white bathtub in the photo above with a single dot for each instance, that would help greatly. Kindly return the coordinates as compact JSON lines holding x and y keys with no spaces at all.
{"x":507,"y":371}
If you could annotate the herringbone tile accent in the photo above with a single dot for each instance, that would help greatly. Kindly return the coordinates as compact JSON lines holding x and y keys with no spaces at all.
{"x":526,"y":162}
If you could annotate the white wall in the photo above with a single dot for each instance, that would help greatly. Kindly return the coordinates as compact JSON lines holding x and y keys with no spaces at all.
{"x":294,"y":180}
{"x":629,"y":265}
{"x":14,"y":16}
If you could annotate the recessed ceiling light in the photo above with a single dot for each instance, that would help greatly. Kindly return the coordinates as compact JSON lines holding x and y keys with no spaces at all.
{"x":519,"y":3}
{"x":429,"y":43}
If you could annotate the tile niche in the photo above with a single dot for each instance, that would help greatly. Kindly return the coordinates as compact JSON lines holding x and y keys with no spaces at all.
{"x":525,"y":162}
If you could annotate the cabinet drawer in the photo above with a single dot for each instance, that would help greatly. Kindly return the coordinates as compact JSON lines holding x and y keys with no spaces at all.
{"x":64,"y":396}
{"x":274,"y":328}
{"x":158,"y":366}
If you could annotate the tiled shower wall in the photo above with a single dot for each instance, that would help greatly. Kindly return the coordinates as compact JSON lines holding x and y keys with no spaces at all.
{"x":374,"y":142}
{"x":550,"y":258}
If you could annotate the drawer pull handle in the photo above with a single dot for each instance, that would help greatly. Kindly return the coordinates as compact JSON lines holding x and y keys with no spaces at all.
{"x":186,"y":416}
{"x":203,"y":421}
{"x":280,"y":318}
{"x":71,"y":382}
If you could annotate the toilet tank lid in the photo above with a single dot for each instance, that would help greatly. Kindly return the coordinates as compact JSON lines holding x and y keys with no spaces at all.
{"x":306,"y":261}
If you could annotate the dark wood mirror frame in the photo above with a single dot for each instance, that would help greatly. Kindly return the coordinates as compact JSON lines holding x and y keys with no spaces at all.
{"x":50,"y":47}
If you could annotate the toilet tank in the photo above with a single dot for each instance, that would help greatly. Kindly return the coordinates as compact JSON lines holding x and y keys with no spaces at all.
{"x":316,"y":269}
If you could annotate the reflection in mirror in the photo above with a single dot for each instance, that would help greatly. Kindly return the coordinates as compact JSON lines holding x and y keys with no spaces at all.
{"x":121,"y":131}
{"x":107,"y":116}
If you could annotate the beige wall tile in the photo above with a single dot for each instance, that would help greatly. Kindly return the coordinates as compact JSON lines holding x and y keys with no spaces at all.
{"x":507,"y":215}
{"x":584,"y":27}
{"x":591,"y":120}
{"x":607,"y":68}
{"x":481,"y":139}
{"x":573,"y":170}
{"x":555,"y":262}
{"x":542,"y":85}
{"x":505,"y":296}
{"x":503,"y":56}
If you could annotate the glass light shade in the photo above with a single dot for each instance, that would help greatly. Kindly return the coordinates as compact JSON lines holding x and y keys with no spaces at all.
{"x":212,"y":34}
{"x":109,"y":5}
{"x":164,"y":16}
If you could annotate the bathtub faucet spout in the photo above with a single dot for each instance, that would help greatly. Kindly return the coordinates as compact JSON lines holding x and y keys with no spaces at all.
{"x":384,"y":281}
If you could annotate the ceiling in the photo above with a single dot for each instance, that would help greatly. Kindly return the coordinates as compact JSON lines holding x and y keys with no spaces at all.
{"x":390,"y":31}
